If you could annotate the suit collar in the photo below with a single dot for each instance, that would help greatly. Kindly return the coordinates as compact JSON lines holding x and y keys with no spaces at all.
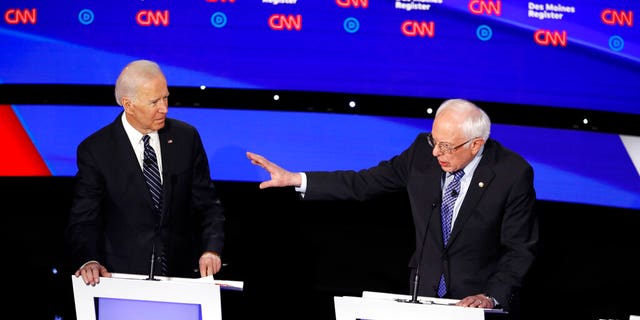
{"x":124,"y":154}
{"x":480,"y":181}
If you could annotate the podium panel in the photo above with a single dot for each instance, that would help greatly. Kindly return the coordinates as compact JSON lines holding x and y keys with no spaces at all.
{"x":168,"y":297}
{"x":384,"y":306}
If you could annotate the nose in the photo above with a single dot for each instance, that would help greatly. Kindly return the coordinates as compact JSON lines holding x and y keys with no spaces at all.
{"x":436,"y":151}
{"x":164,"y":106}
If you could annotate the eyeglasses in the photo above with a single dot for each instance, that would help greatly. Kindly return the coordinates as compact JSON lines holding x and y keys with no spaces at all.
{"x":443,"y":146}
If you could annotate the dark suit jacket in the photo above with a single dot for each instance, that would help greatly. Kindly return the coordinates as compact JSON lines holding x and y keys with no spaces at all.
{"x":112,"y":218}
{"x":493,"y":240}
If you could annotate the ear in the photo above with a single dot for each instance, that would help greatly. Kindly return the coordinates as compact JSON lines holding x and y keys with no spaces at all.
{"x":127,"y":104}
{"x":476,"y":144}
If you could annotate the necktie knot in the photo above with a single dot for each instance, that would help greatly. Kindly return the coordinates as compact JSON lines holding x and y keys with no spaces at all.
{"x":145,"y":139}
{"x":458,"y":174}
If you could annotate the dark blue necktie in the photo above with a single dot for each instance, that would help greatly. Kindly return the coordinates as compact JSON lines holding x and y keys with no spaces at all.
{"x":446,"y":210}
{"x":152,"y":174}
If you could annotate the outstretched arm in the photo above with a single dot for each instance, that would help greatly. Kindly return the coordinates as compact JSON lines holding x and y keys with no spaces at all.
{"x":279,"y":176}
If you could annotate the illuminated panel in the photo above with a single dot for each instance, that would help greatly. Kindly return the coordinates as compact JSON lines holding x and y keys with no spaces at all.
{"x":529,"y":53}
{"x":118,"y":309}
{"x":19,"y":154}
{"x":566,"y":167}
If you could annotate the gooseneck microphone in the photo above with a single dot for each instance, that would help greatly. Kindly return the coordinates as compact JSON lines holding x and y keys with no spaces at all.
{"x":153,"y":258}
{"x":416,"y":277}
{"x":153,"y":246}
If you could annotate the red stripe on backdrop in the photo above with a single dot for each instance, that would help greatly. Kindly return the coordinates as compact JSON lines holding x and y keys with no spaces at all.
{"x":19,"y":155}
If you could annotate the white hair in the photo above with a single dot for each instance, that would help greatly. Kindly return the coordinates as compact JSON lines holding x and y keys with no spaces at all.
{"x":476,"y":122}
{"x":134,"y":75}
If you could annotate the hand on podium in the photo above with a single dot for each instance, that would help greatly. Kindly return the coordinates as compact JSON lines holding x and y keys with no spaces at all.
{"x":477,"y":301}
{"x":209,"y":263}
{"x":91,"y":272}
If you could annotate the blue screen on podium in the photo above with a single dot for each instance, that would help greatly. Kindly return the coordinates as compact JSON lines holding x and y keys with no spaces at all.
{"x":118,"y":309}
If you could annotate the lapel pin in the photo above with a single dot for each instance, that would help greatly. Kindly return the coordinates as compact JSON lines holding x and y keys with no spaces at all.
{"x":170,"y":141}
{"x":481,"y":184}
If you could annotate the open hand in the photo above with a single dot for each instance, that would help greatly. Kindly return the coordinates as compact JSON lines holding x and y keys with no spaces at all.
{"x":279,"y":176}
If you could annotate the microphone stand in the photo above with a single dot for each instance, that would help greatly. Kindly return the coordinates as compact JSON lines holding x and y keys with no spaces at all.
{"x":153,"y":249}
{"x":153,"y":258}
{"x":416,"y":278}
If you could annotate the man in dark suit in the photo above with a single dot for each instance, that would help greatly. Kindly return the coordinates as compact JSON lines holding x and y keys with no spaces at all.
{"x":119,"y":224}
{"x":492,"y":231}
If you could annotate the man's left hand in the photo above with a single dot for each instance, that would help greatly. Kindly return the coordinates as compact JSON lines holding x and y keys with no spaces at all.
{"x":209,"y":263}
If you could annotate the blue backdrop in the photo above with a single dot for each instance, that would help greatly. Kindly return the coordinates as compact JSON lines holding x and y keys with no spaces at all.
{"x":577,"y":54}
{"x":570,"y":166}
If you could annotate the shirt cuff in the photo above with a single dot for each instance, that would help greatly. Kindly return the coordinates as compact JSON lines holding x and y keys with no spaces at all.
{"x":86,"y":263}
{"x":303,"y":184}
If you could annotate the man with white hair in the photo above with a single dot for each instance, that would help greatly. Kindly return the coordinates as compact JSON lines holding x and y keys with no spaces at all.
{"x":472,"y":202}
{"x":144,"y":190}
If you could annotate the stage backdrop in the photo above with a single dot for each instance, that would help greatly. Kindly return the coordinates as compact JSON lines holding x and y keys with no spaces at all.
{"x":563,"y":55}
{"x":571,"y":54}
{"x":570,"y":165}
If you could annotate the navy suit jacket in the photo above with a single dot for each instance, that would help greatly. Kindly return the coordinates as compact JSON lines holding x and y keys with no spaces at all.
{"x":112,"y":219}
{"x":493,"y":241}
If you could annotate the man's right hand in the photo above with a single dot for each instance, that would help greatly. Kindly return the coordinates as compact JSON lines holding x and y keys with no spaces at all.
{"x":91,"y":272}
{"x":279,"y":176}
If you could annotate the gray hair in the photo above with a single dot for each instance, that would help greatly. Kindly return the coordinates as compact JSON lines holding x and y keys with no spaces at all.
{"x":133,"y":75}
{"x":476,"y":122}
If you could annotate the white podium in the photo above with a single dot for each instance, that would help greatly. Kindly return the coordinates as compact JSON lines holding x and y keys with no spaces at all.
{"x":134,"y":296}
{"x":385,"y":306}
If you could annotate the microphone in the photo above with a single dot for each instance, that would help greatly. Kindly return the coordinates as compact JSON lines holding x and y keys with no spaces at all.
{"x":416,"y":277}
{"x":153,"y":258}
{"x":454,"y":193}
{"x":153,"y":246}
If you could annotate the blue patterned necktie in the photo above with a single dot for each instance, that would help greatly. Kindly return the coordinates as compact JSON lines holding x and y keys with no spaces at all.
{"x":152,"y":174}
{"x":448,"y":201}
